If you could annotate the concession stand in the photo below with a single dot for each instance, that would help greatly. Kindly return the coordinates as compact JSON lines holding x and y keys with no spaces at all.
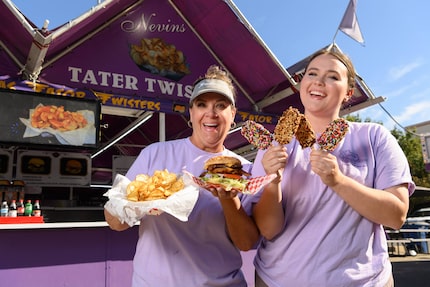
{"x":124,"y":71}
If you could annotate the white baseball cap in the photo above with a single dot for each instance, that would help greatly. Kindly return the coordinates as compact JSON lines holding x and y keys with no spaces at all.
{"x":212,"y":85}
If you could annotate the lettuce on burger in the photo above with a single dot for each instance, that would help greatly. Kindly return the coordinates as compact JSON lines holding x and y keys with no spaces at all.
{"x":226,"y":172}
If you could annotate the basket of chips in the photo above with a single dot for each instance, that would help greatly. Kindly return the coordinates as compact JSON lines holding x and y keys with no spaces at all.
{"x":163,"y":191}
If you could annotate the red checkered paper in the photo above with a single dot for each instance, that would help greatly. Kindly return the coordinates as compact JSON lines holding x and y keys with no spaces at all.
{"x":252,"y":187}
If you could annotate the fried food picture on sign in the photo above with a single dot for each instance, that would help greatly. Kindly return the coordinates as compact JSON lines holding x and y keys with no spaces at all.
{"x":157,"y":57}
{"x":68,"y":127}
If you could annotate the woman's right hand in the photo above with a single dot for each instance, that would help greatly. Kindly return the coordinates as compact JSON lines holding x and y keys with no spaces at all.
{"x":275,"y":159}
{"x":115,"y":223}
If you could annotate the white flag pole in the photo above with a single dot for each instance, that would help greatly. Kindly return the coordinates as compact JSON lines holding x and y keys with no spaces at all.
{"x":349,"y":24}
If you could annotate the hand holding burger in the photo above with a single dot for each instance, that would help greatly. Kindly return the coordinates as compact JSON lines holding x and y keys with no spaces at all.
{"x":225,"y":172}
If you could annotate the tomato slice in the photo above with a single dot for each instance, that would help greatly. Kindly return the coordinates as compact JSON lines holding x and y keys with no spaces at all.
{"x":232,"y":176}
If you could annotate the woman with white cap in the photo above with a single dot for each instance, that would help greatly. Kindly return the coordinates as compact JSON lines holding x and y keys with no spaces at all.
{"x":205,"y":250}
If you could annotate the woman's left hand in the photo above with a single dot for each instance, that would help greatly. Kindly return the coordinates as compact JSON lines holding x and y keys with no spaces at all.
{"x":325,"y":165}
{"x":221,"y":193}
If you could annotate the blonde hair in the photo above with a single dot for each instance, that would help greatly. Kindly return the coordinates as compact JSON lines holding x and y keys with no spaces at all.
{"x":216,"y":72}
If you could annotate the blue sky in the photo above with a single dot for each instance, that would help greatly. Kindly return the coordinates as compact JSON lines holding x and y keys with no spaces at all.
{"x":394,"y":61}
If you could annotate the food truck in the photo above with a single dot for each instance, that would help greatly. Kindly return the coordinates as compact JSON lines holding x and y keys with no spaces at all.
{"x":123,"y":72}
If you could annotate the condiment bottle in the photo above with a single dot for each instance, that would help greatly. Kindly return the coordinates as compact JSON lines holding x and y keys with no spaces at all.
{"x":28,"y":209}
{"x":12,"y":209}
{"x":20,"y":207}
{"x":4,"y":209}
{"x":36,"y":208}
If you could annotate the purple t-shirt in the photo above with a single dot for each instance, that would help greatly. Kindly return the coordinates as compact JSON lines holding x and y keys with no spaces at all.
{"x":198,"y":252}
{"x":324,"y":241}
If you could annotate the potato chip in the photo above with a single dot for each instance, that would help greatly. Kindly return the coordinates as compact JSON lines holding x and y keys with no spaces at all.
{"x":142,"y":177}
{"x":160,"y":185}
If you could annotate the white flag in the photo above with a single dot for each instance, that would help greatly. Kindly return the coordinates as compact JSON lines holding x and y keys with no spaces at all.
{"x":349,"y":24}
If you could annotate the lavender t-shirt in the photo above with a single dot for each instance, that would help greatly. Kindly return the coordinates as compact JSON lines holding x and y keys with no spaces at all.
{"x":324,"y":241}
{"x":198,"y":252}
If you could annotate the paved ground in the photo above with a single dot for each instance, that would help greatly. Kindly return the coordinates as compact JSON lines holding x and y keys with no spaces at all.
{"x":419,"y":257}
{"x":411,"y":271}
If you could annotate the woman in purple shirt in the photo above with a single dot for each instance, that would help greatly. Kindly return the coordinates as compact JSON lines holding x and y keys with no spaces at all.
{"x":205,"y":250}
{"x":322,"y":219}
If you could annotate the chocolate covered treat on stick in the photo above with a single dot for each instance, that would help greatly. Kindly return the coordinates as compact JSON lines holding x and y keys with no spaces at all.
{"x":257,"y":134}
{"x":333,"y":135}
{"x":293,"y":123}
{"x":305,"y":134}
{"x":287,"y":125}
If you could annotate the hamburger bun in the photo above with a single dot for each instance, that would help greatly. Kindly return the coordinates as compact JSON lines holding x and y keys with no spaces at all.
{"x":225,"y":172}
{"x":224,"y":164}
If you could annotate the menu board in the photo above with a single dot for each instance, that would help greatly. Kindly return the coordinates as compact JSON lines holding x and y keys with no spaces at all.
{"x":30,"y":118}
{"x":46,"y":168}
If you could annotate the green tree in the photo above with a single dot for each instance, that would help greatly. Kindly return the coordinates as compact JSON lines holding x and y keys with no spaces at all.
{"x":356,"y":118}
{"x":411,"y":146}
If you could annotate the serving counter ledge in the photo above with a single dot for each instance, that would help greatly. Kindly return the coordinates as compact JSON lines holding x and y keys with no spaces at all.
{"x":54,"y":225}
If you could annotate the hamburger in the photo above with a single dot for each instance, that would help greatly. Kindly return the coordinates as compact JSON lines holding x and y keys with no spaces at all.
{"x":226,"y":172}
{"x":36,"y":165}
{"x":73,"y":166}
